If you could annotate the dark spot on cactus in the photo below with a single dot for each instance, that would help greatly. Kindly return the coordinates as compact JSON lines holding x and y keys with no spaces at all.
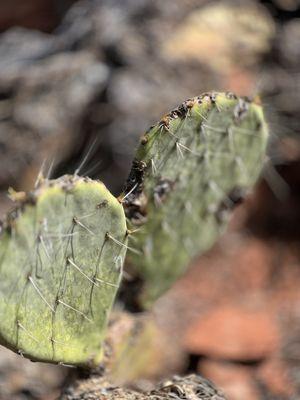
{"x":213,"y":97}
{"x":12,"y":216}
{"x":233,"y":199}
{"x":230,"y":96}
{"x":150,"y":129}
{"x":135,"y":201}
{"x":162,"y":189}
{"x":144,"y":139}
{"x":182,"y":110}
{"x":103,"y":204}
{"x":165,"y":122}
{"x":130,"y":292}
{"x":206,"y":96}
{"x":258,"y":125}
{"x":241,"y":110}
{"x":237,"y":195}
{"x":190,"y":103}
{"x":179,"y":112}
{"x":136,"y":208}
{"x":136,"y":177}
{"x":174,"y":114}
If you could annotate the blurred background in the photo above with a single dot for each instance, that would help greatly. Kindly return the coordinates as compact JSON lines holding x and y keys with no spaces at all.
{"x":82,"y":80}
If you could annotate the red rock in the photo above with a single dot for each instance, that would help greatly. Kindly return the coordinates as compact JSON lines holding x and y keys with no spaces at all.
{"x":241,"y":81}
{"x":274,"y":375}
{"x":251,"y":264}
{"x":236,"y":381}
{"x":34,"y":14}
{"x":233,"y":332}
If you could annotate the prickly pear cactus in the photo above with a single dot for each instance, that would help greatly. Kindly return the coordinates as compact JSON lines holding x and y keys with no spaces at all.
{"x":189,"y":169}
{"x":61,"y":257}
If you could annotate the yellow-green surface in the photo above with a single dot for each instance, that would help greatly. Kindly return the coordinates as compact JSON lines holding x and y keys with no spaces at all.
{"x":60,"y":267}
{"x":188,"y":170}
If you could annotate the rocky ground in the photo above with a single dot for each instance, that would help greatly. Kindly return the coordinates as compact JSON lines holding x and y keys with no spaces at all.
{"x":92,"y":76}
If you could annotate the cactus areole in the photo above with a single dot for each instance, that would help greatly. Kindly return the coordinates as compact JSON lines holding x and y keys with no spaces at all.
{"x":61,"y":257}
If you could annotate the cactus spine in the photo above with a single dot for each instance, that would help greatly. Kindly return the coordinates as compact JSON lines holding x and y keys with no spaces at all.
{"x":61,"y":257}
{"x":189,"y":169}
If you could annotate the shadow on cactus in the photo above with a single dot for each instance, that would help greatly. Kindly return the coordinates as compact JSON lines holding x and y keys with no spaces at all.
{"x":62,"y":249}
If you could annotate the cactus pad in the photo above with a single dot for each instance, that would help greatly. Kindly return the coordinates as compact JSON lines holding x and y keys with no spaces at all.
{"x":189,"y":169}
{"x":61,"y":257}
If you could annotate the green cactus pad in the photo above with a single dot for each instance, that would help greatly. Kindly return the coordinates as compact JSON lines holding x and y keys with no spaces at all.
{"x":61,"y":257}
{"x":189,"y":169}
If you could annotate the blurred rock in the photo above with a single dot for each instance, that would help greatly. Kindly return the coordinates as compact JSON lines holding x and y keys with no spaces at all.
{"x":137,"y":350}
{"x":35,"y":14}
{"x":42,"y":109}
{"x":274,"y":209}
{"x":274,"y":375}
{"x":222,"y":35}
{"x":288,"y":5}
{"x":22,"y":379}
{"x":234,"y":333}
{"x":280,"y":80}
{"x":290,"y":42}
{"x":236,"y":380}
